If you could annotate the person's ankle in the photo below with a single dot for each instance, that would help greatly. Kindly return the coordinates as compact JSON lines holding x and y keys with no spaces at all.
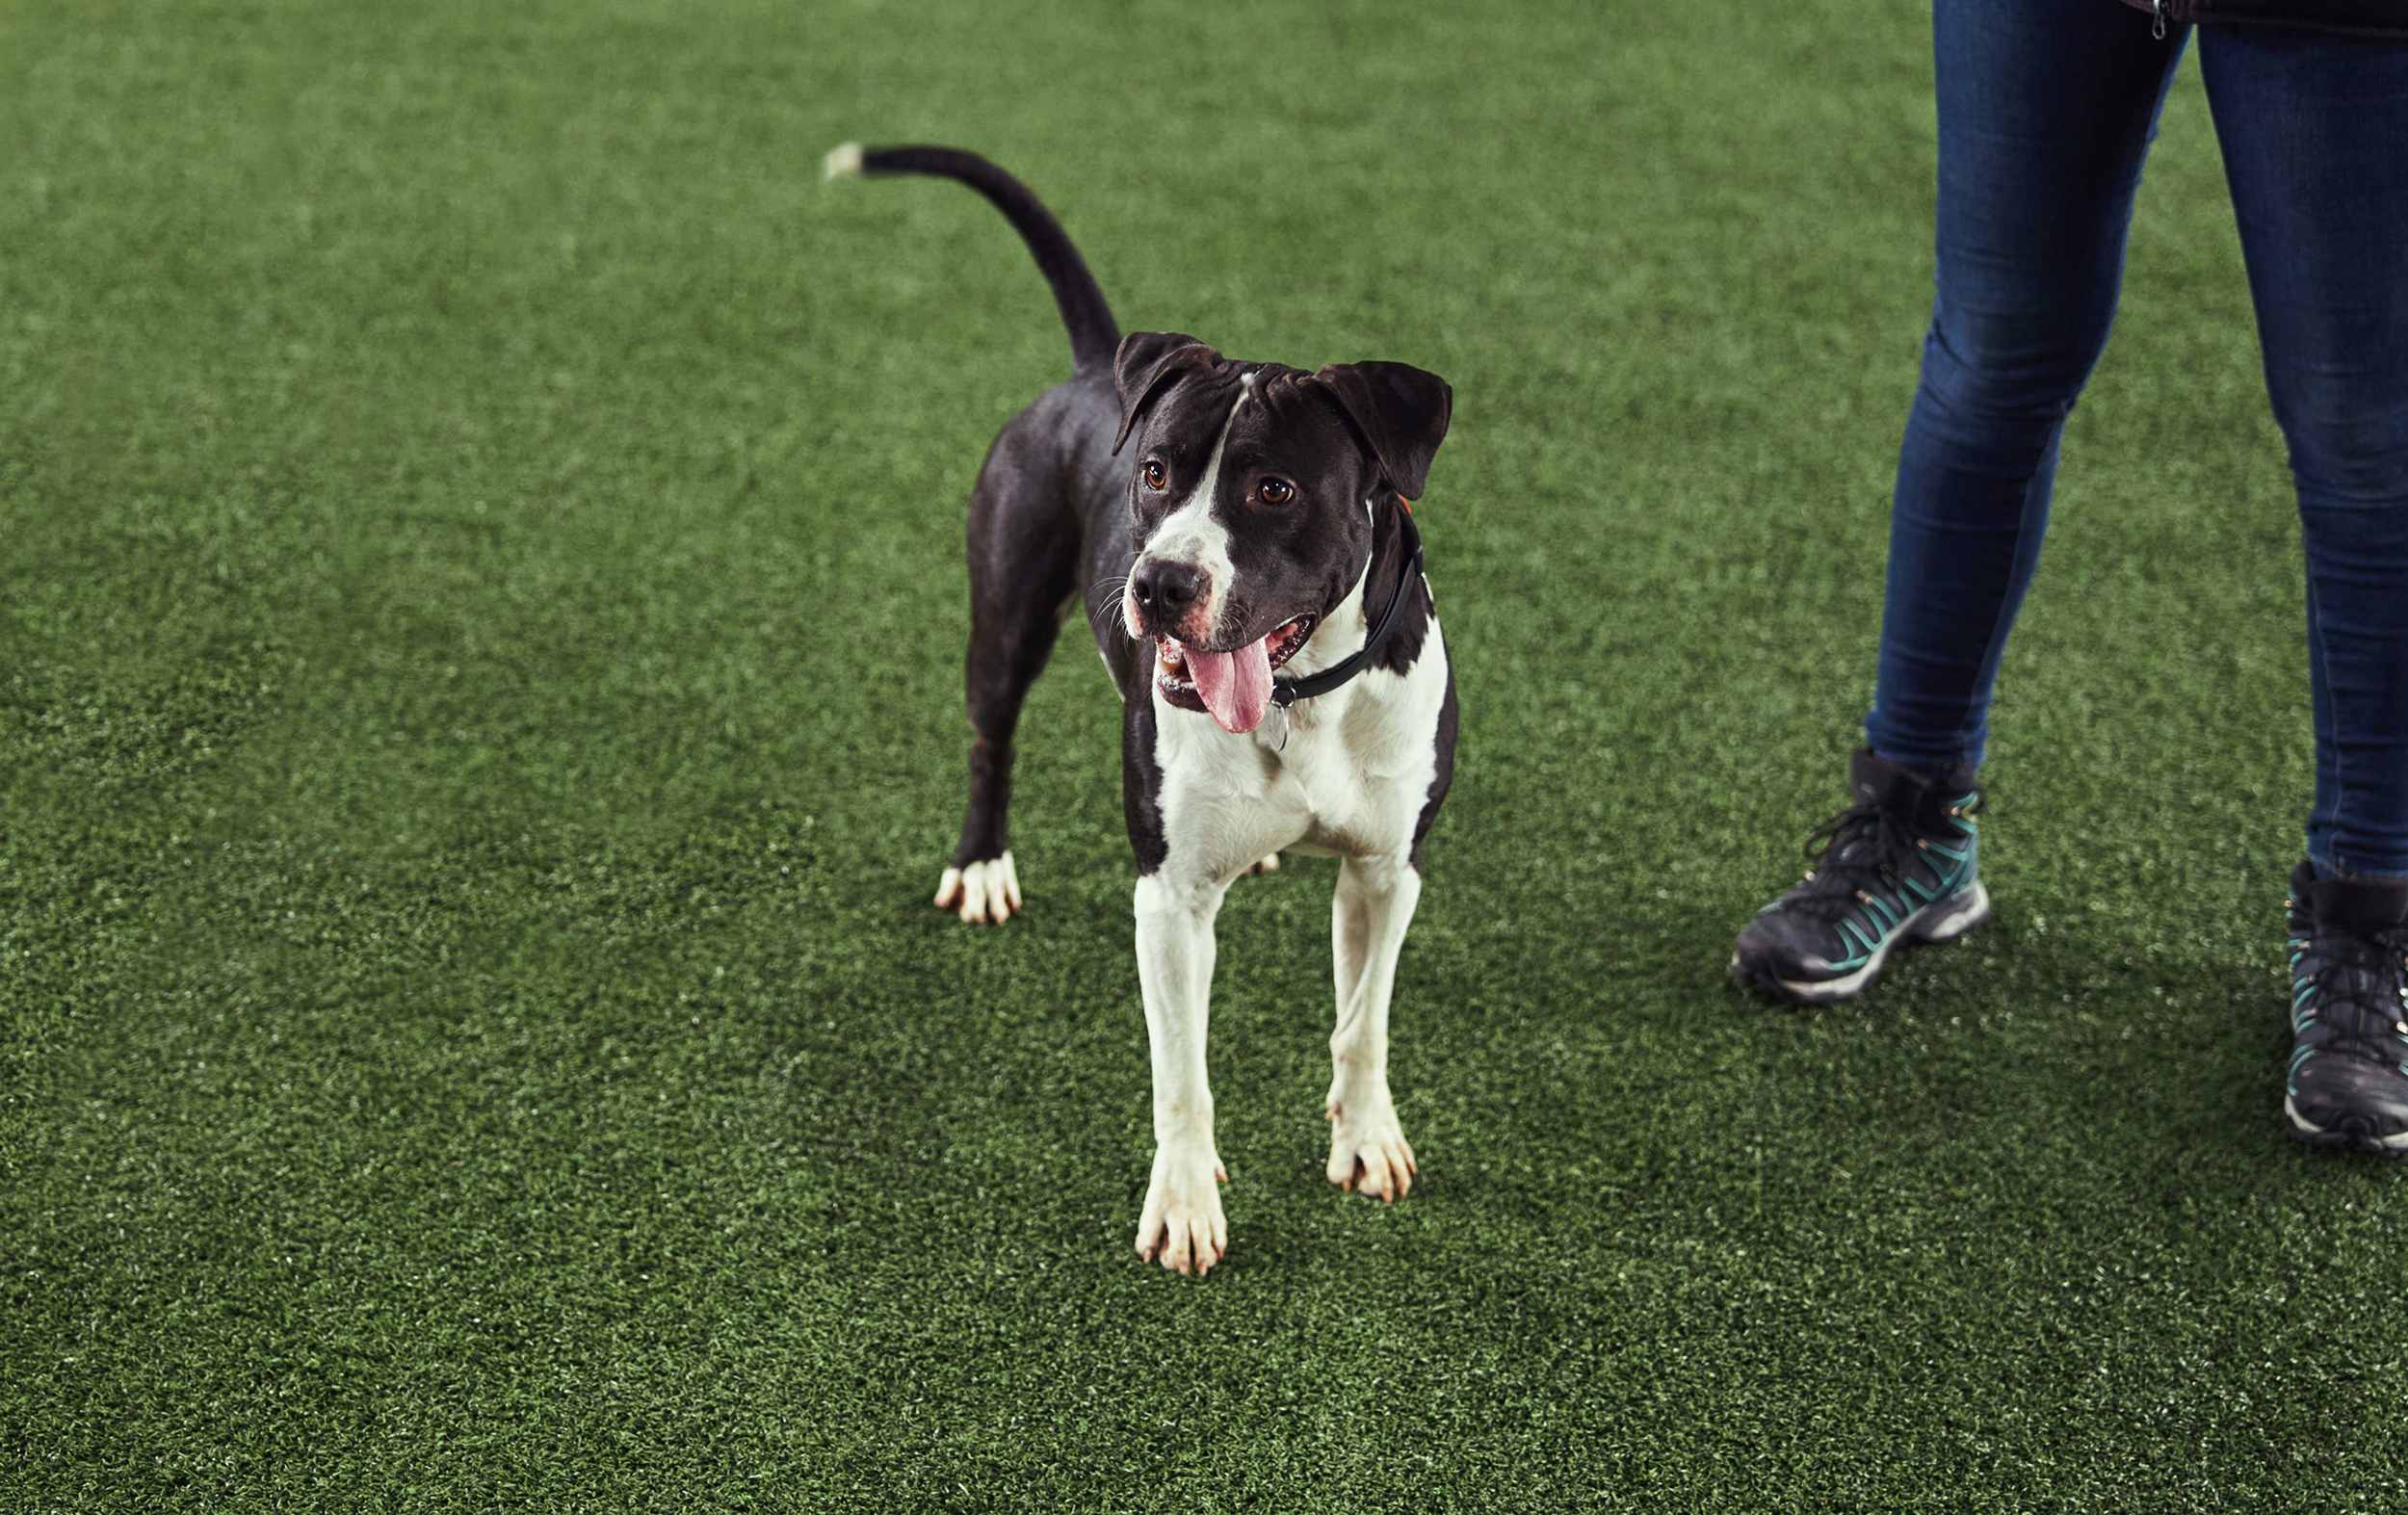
{"x":2327,"y":872}
{"x":1931,"y":772}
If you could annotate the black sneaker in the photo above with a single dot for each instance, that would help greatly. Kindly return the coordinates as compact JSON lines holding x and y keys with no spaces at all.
{"x":2348,"y":1083}
{"x":1898,"y":866}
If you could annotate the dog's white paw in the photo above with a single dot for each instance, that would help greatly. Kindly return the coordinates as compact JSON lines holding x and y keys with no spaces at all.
{"x":1268,"y":865}
{"x":1368,"y":1153}
{"x":982,"y":892}
{"x":1182,"y":1227}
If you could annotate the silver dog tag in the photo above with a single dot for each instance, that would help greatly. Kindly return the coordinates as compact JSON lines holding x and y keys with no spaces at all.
{"x":1272,"y":733}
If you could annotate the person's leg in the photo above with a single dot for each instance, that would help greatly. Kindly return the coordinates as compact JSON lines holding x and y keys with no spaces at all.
{"x":2314,"y":133}
{"x":2046,"y":112}
{"x":2047,"y":108}
{"x":2312,"y":129}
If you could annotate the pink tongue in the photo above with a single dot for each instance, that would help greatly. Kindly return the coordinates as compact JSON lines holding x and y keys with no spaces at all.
{"x":1236,"y":685}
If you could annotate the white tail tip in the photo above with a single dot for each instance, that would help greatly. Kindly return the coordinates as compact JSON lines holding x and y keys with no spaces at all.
{"x":842,"y":160}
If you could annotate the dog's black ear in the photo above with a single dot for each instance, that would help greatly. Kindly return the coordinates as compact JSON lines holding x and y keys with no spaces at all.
{"x":1401,"y":413}
{"x":1146,"y":361}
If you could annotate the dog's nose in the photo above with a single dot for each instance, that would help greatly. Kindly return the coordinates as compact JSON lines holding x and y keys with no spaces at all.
{"x":1167,"y":588}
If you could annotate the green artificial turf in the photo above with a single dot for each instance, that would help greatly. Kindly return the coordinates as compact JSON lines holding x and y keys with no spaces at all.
{"x":480,"y":714}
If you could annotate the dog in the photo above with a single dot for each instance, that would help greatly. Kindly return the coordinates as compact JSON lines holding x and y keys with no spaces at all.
{"x":1283,"y":681}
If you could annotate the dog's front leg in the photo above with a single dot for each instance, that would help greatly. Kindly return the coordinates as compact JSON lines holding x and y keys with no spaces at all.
{"x":1182,"y":1225}
{"x":1368,"y":919}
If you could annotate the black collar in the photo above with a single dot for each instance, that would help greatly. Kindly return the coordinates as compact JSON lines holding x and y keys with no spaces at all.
{"x":1286,"y":692}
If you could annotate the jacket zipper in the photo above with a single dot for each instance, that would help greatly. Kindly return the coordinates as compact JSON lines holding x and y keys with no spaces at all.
{"x":2156,"y":19}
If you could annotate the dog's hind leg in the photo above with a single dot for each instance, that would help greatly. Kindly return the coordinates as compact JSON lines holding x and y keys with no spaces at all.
{"x":1024,"y":547}
{"x":1368,"y":917}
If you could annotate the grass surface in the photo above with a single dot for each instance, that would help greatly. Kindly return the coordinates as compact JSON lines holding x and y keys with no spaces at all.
{"x":479,"y":715}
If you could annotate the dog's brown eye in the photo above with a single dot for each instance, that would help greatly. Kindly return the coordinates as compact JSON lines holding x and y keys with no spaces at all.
{"x":1275,"y":492}
{"x":1154,"y":473}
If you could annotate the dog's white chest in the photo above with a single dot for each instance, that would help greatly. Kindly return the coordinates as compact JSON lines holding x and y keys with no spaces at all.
{"x":1349,"y":779}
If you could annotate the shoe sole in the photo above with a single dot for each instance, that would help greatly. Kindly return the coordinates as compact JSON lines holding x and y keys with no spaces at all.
{"x":2316,"y":1135}
{"x":1940,"y":921}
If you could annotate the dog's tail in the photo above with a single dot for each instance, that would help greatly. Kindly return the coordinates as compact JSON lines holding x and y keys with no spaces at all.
{"x":1094,"y":336}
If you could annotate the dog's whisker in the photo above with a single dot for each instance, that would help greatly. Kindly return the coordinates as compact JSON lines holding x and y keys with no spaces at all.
{"x":1108,"y":591}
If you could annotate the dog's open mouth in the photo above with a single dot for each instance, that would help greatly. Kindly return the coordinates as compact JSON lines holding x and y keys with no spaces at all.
{"x":1233,"y":688}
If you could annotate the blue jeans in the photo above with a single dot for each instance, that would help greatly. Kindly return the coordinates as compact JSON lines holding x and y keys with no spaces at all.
{"x":2047,"y":108}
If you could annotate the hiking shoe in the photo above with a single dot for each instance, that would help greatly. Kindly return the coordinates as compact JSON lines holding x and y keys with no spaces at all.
{"x":1896,"y":866}
{"x":2348,"y":1082}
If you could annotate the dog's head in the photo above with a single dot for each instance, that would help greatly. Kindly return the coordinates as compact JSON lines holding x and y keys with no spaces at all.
{"x":1249,"y":487}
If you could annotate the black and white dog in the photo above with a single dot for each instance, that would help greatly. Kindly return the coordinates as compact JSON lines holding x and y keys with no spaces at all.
{"x":1283,"y":681}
